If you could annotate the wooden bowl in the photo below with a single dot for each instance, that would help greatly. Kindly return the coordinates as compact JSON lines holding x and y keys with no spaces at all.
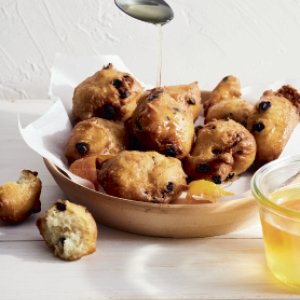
{"x":160,"y":220}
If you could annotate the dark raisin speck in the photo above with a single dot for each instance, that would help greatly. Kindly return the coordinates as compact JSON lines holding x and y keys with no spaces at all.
{"x":170,"y":187}
{"x":191,"y":101}
{"x":82,"y":148}
{"x":108,"y":112}
{"x":123,"y":94}
{"x":258,"y":127}
{"x":117,"y":83}
{"x":61,"y":206}
{"x":217,"y":179}
{"x":61,"y":242}
{"x":264,"y":106}
{"x":170,"y":151}
{"x":216,"y":151}
{"x":203,"y":168}
{"x":225,"y":78}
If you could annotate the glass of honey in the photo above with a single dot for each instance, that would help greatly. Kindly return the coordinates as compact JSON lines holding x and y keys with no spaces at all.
{"x":276,"y":186}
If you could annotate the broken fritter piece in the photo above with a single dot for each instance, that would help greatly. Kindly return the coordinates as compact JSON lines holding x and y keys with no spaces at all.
{"x":18,"y":200}
{"x":69,"y":230}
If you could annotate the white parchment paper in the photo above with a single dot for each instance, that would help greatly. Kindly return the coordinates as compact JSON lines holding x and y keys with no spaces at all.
{"x":48,"y":134}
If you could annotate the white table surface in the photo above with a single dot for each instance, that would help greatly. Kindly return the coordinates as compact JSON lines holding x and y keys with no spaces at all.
{"x":125,"y":266}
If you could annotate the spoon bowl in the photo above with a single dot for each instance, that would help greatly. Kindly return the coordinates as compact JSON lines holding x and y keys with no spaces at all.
{"x":151,"y":11}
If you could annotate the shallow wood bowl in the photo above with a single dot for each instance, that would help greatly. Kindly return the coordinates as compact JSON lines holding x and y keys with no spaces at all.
{"x":160,"y":220}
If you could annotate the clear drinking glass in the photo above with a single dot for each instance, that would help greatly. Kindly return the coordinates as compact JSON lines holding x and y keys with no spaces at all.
{"x":276,"y":186}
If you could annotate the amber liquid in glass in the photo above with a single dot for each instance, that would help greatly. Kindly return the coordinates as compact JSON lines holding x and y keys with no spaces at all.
{"x":282,"y":238}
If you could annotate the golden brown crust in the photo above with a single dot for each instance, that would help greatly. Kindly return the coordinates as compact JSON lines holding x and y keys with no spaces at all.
{"x":223,"y":149}
{"x":18,"y":200}
{"x":188,"y":94}
{"x":108,"y":94}
{"x":143,"y":176}
{"x":69,"y":230}
{"x":272,"y":124}
{"x":225,"y":102}
{"x":229,"y":87}
{"x":290,"y":93}
{"x":235,"y":108}
{"x":95,"y":136}
{"x":162,"y":124}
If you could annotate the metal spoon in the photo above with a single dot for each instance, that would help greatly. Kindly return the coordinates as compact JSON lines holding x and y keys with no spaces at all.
{"x":151,"y":11}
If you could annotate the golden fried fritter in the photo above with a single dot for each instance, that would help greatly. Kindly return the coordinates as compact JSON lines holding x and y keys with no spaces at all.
{"x":69,"y":230}
{"x":108,"y":94}
{"x":18,"y":200}
{"x":272,"y":124}
{"x":223,"y":149}
{"x":162,"y":124}
{"x":142,"y":176}
{"x":229,"y":87}
{"x":189,"y":94}
{"x":95,"y":136}
{"x":225,"y":102}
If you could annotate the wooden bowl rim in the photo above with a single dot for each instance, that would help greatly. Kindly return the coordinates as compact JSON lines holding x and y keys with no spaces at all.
{"x":54,"y":169}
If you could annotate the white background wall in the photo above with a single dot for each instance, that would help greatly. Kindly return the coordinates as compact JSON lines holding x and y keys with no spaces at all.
{"x":257,"y":40}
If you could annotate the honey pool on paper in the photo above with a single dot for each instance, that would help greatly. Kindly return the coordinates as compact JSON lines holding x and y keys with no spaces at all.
{"x":282,"y":238}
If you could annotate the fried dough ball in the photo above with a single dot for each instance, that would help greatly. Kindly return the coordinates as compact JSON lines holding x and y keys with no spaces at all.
{"x":69,"y":230}
{"x":236,"y":109}
{"x":95,"y":136}
{"x":18,"y":200}
{"x":162,"y":124}
{"x":223,"y":149}
{"x":143,"y":176}
{"x":189,"y":94}
{"x":108,"y":94}
{"x":272,"y":124}
{"x":229,"y":87}
{"x":225,"y":102}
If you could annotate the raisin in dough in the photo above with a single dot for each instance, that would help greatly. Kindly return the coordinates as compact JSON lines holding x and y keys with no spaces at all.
{"x":223,"y":149}
{"x":188,"y":94}
{"x":161,"y":123}
{"x":272,"y":124}
{"x":143,"y":176}
{"x":69,"y":230}
{"x":95,"y":136}
{"x":108,"y":94}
